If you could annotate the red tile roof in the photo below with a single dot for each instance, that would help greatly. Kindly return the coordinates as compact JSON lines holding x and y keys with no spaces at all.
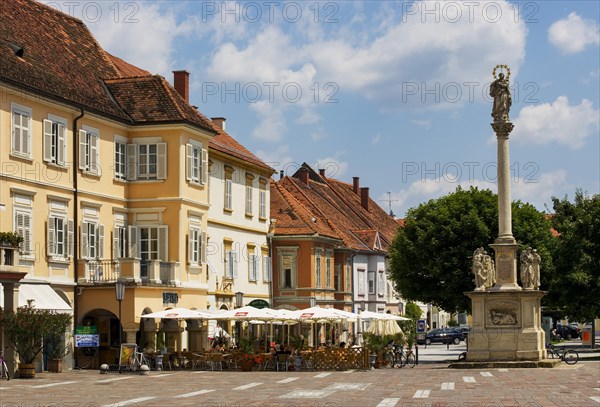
{"x":63,"y":61}
{"x":333,"y":202}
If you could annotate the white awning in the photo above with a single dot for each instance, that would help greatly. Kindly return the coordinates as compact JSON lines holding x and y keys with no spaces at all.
{"x":43,"y":296}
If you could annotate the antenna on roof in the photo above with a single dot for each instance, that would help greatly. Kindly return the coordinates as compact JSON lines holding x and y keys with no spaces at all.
{"x":389,"y":201}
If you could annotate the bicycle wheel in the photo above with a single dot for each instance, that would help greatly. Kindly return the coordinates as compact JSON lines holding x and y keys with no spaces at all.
{"x":570,"y":357}
{"x":4,"y":372}
{"x":411,"y":360}
{"x":550,"y":353}
{"x":397,"y":359}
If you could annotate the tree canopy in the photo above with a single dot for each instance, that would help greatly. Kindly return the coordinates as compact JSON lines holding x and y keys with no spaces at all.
{"x":575,"y":287}
{"x":431,"y":255}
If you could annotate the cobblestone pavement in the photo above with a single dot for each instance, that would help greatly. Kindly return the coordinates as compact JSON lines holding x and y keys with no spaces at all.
{"x":426,"y":385}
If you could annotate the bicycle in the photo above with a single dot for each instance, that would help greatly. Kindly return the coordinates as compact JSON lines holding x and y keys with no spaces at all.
{"x":407,"y":358}
{"x":569,"y":356}
{"x":137,"y":360}
{"x":3,"y":368}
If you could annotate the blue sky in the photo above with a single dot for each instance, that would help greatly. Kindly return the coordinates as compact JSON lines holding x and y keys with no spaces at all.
{"x":394,"y":92}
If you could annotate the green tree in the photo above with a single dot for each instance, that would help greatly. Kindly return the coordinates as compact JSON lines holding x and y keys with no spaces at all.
{"x":431,"y":256}
{"x":575,"y":287}
{"x":413,"y":311}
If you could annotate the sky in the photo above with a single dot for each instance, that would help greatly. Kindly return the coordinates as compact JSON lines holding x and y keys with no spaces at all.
{"x":393,"y":92}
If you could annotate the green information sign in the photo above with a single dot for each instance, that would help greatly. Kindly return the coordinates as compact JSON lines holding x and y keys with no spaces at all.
{"x":259,"y":304}
{"x":83,"y":330}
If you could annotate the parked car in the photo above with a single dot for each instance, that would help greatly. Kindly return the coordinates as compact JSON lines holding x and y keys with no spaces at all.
{"x":567,"y":331}
{"x":444,"y":335}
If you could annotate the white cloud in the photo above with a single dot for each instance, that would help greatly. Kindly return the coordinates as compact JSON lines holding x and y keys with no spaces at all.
{"x":272,"y":125}
{"x":375,"y":140}
{"x":572,"y":34}
{"x":279,"y":158}
{"x":557,"y":122}
{"x":538,"y":189}
{"x":422,"y":123}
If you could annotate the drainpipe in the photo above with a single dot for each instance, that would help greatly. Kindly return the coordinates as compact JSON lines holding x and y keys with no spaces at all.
{"x":75,"y":214}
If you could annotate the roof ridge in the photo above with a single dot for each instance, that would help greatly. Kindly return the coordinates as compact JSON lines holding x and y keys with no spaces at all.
{"x":57,"y":11}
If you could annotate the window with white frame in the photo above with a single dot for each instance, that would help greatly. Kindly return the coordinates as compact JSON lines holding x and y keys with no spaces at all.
{"x":92,"y":240}
{"x":228,"y":193}
{"x":262,"y":199}
{"x":120,"y":242}
{"x":21,"y":130}
{"x":197,"y":247}
{"x":348,"y":270}
{"x":55,"y":142}
{"x":23,"y":222}
{"x":249,"y":193}
{"x":253,"y":267}
{"x":361,"y":282}
{"x":371,"y":282}
{"x":89,"y":150}
{"x":59,"y":232}
{"x":288,"y":265}
{"x":146,"y":161}
{"x":231,"y":263}
{"x":328,"y":269}
{"x":153,"y":242}
{"x":196,"y":163}
{"x":318,"y":268}
{"x":267,"y":268}
{"x":336,"y":277}
{"x":120,"y":144}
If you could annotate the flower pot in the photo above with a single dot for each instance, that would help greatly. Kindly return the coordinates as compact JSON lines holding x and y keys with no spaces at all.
{"x":26,"y":370}
{"x":55,"y":365}
{"x":246,"y":365}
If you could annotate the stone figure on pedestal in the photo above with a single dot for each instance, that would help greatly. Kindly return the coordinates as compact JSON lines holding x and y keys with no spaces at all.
{"x":489,"y":271}
{"x":500,"y":91}
{"x":478,"y":269}
{"x":530,"y":269}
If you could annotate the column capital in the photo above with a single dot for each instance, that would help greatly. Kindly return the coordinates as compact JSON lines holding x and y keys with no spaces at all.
{"x":502,"y":129}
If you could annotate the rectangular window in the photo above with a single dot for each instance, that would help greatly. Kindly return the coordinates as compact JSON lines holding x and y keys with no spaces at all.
{"x":348,"y":270}
{"x":318,"y":268}
{"x":288,"y":278}
{"x":287,"y":266}
{"x":120,"y":242}
{"x":267,"y":268}
{"x":146,"y":161}
{"x":371,"y":282}
{"x":336,"y":277}
{"x":54,"y":142}
{"x":120,"y":160}
{"x":58,"y":237}
{"x":92,"y":240}
{"x":328,"y":269}
{"x":196,"y":164}
{"x":21,"y":131}
{"x":248,"y":199}
{"x":231,"y":262}
{"x":228,"y":191}
{"x":361,"y":282}
{"x":380,"y":284}
{"x":262,"y":204}
{"x":252,"y":267}
{"x":196,"y":252}
{"x":23,"y":222}
{"x":89,"y":151}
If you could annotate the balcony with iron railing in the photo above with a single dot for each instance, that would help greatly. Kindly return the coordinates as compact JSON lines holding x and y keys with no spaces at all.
{"x":137,"y":271}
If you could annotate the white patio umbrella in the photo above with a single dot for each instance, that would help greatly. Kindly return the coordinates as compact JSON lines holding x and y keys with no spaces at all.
{"x":179,"y":313}
{"x":246,"y":313}
{"x":370,"y":316}
{"x":384,"y":327}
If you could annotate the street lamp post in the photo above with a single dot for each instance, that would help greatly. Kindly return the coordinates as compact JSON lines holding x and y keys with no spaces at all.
{"x":239,"y":303}
{"x":120,"y":294}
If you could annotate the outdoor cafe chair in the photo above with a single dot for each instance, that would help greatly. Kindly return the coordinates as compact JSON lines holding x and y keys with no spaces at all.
{"x":198,"y":361}
{"x":216,"y":360}
{"x":282,"y":361}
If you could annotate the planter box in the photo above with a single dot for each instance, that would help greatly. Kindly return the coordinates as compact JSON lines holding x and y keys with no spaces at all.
{"x":55,"y":365}
{"x":27,"y":370}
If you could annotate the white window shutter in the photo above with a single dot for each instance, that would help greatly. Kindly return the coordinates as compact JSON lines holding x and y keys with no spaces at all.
{"x":269,"y":268}
{"x":131,"y":162}
{"x":189,"y":162}
{"x":133,"y":239}
{"x":203,"y":247}
{"x":163,"y":252}
{"x":234,"y":263}
{"x":61,"y":150}
{"x":47,"y":141}
{"x":27,"y":137}
{"x":204,"y":168}
{"x":190,"y":246}
{"x":70,"y":237}
{"x":14,"y":139}
{"x":100,"y":241}
{"x":161,"y":161}
{"x":82,"y":149}
{"x":95,"y":154}
{"x":83,"y":245}
{"x":115,"y":244}
{"x":51,"y":237}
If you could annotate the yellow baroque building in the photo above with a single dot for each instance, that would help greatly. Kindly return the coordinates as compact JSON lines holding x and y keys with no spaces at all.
{"x":104,"y":173}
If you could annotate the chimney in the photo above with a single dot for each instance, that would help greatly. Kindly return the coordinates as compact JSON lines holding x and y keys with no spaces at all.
{"x":364,"y":197}
{"x":304,"y":176}
{"x":219,"y":122}
{"x":181,"y":83}
{"x":322,"y":172}
{"x":355,"y":185}
{"x":281,"y":174}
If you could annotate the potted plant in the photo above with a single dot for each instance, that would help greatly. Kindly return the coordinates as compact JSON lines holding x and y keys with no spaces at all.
{"x":58,"y":345}
{"x":25,"y":330}
{"x":375,"y":344}
{"x":247,"y":357}
{"x":10,"y":239}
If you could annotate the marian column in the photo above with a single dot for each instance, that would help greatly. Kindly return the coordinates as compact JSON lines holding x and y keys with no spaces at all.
{"x":505,"y":245}
{"x":506,"y":319}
